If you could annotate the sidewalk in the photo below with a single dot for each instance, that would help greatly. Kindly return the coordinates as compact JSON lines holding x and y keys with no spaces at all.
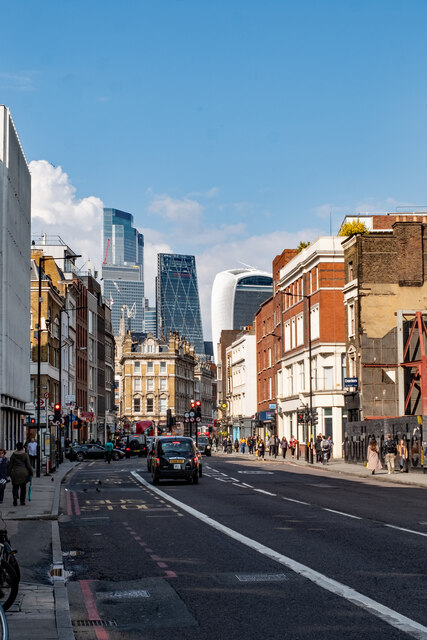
{"x":40,"y":611}
{"x":336,"y":467}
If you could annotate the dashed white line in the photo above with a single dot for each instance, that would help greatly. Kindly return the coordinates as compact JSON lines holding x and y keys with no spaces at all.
{"x":297,"y":501}
{"x":267,"y":493}
{"x":246,"y":485}
{"x":341,"y":513}
{"x":418,"y":533}
{"x":391,"y":617}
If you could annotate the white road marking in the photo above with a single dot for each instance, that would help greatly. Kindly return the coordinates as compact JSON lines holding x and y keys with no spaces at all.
{"x":418,"y":533}
{"x":341,"y":513}
{"x":235,"y":479}
{"x":267,"y":493}
{"x":307,"y":504}
{"x":391,"y":617}
{"x":247,"y":485}
{"x":236,"y":484}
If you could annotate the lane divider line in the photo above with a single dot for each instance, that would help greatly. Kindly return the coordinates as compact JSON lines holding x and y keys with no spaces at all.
{"x":267,"y":493}
{"x":391,"y":617}
{"x":418,"y":533}
{"x":341,"y":513}
{"x":307,"y":504}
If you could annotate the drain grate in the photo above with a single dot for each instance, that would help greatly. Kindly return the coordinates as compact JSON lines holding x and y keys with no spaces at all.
{"x":262,"y":577}
{"x":94,"y":623}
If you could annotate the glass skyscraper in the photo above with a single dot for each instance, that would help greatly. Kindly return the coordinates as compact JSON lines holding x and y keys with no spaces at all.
{"x":178,"y":305}
{"x":123,"y":269}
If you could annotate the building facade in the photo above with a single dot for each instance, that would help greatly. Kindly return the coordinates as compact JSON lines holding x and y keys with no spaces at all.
{"x":178,"y":305}
{"x":242,"y":383}
{"x":236,"y":296}
{"x":312,"y":367}
{"x":123,"y":269}
{"x":15,"y":220}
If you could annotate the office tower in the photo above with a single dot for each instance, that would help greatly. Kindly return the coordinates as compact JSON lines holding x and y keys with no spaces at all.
{"x":178,"y":306}
{"x":15,"y":223}
{"x":123,"y":269}
{"x":150,"y":319}
{"x":236,"y":296}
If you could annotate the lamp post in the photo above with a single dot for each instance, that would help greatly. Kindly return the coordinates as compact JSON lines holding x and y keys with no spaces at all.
{"x":310,"y":388}
{"x":42,"y":260}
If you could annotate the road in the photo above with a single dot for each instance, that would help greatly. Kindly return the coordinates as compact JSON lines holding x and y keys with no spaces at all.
{"x":255,"y":548}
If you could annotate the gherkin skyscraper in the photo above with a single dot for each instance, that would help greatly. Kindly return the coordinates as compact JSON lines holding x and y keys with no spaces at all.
{"x":178,"y":305}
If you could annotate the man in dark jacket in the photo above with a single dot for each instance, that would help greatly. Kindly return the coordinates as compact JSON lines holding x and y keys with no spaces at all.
{"x":20,"y":471}
{"x":389,"y":452}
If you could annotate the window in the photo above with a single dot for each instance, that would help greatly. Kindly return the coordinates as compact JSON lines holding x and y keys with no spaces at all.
{"x":301,"y":376}
{"x":351,"y":322}
{"x":91,"y":325}
{"x":328,"y":422}
{"x":163,"y":384}
{"x":91,"y":348}
{"x":163,"y":367}
{"x":150,"y":405}
{"x":328,"y":377}
{"x":136,"y":367}
{"x":91,"y":377}
{"x":150,"y":366}
{"x":350,"y":271}
{"x":343,"y":369}
{"x":137,"y":405}
{"x":287,"y":335}
{"x":314,"y":373}
{"x":150,"y":384}
{"x":300,"y":329}
{"x":163,"y":405}
{"x":314,"y":322}
{"x":137,"y":384}
{"x":293,"y":332}
{"x":289,"y":381}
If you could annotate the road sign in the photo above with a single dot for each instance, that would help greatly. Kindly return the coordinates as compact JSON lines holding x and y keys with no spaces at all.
{"x":198,"y":419}
{"x":191,"y":414}
{"x":39,"y":403}
{"x":186,"y":415}
{"x":351,"y":382}
{"x":69,"y":398}
{"x":46,"y":395}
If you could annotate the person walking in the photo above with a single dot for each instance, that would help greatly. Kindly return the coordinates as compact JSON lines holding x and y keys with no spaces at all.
{"x":326,"y":450}
{"x":271,"y":445}
{"x":318,"y":447}
{"x":236,"y":445}
{"x":32,"y":452}
{"x":373,"y":457}
{"x":3,"y":473}
{"x":389,"y":452}
{"x":243,"y":445}
{"x":20,"y":471}
{"x":284,"y":446}
{"x":293,"y":445}
{"x":108,"y":451}
{"x":331,"y":447}
{"x":261,"y":449}
{"x":402,"y":455}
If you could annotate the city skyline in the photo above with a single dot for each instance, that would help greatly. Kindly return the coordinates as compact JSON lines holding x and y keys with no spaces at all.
{"x":230,"y":134}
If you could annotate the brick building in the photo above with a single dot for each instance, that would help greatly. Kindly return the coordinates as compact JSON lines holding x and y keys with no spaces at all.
{"x":312,"y":365}
{"x":385,"y":300}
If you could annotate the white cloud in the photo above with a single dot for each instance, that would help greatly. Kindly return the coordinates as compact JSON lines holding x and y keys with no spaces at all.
{"x":55,"y":210}
{"x":177,"y":210}
{"x":17,"y":81}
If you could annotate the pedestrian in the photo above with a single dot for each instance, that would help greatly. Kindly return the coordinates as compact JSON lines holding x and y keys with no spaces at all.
{"x":229,"y":445}
{"x":236,"y":445}
{"x":331,"y":447}
{"x":276,"y":445}
{"x":326,"y":450}
{"x":271,"y":445}
{"x":402,"y":454}
{"x":373,"y":457}
{"x":284,"y":446}
{"x":243,"y":445}
{"x":261,"y":449}
{"x":293,"y":445}
{"x":32,"y":452}
{"x":20,"y":471}
{"x":224,"y":445}
{"x":108,"y":451}
{"x":389,"y":452}
{"x":3,"y":473}
{"x":318,"y":447}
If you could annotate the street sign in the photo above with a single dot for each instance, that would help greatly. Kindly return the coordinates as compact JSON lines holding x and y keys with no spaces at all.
{"x":351,"y":382}
{"x":46,"y":395}
{"x":272,"y":406}
{"x":69,"y":398}
{"x":198,"y":419}
{"x":191,"y":414}
{"x":39,"y":403}
{"x":186,"y":415}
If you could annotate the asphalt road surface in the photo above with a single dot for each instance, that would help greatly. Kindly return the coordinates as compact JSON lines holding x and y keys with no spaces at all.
{"x":254,"y":550}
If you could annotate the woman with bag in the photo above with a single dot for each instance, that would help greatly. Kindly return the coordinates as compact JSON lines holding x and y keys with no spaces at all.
{"x":373,"y":457}
{"x":20,"y":471}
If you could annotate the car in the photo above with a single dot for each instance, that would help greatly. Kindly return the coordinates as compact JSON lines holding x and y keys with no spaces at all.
{"x":204,"y":445}
{"x":91,"y":452}
{"x":174,"y":457}
{"x":134,"y":445}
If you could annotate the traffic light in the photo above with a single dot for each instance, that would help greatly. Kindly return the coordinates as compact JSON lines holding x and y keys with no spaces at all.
{"x":31,"y":420}
{"x":168,"y":418}
{"x":314,"y":417}
{"x":57,"y":413}
{"x":301,"y":416}
{"x":198,"y":411}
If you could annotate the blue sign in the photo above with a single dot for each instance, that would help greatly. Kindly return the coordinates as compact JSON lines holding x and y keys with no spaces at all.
{"x":266,"y":416}
{"x":271,"y":406}
{"x":351,"y":382}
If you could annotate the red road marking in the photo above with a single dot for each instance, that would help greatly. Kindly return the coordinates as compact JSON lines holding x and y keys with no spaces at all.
{"x":69,"y":505}
{"x":170,"y":574}
{"x":76,"y":503}
{"x":91,"y":609}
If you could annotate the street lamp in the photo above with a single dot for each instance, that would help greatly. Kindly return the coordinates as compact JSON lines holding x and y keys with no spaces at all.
{"x":42,"y":260}
{"x":310,"y":420}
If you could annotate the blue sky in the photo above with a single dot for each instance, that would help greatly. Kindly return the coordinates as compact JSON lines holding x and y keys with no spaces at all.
{"x":230,"y":129}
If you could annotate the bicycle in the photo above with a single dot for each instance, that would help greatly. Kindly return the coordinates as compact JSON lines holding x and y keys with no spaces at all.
{"x":10,"y":574}
{"x":4,"y":627}
{"x":9,"y":553}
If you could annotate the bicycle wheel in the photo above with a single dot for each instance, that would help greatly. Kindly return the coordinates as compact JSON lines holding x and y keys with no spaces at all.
{"x":14,"y":564}
{"x":4,"y":627}
{"x":8,"y":585}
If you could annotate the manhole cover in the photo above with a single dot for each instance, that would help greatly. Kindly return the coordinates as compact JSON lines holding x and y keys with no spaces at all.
{"x":261,"y":577}
{"x":257,"y":473}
